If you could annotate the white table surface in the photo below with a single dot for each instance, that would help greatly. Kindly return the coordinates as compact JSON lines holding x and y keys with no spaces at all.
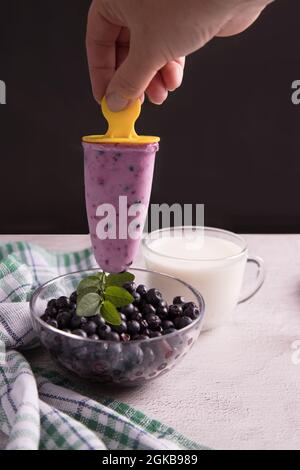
{"x":238,"y":388}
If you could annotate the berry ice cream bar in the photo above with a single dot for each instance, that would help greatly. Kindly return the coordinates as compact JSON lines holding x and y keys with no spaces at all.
{"x":118,"y":180}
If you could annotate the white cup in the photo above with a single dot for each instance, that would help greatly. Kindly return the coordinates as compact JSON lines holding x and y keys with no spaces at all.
{"x":212,"y":260}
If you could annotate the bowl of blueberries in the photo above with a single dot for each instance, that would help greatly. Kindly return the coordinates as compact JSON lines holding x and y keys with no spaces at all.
{"x":117,"y":329}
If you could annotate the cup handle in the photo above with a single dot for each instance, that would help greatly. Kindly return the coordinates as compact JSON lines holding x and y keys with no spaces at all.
{"x":260,"y":277}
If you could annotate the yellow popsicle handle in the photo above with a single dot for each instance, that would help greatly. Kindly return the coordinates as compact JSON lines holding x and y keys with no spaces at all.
{"x":121,"y":127}
{"x":121,"y":124}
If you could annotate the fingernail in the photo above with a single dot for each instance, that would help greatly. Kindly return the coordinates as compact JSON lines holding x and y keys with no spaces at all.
{"x":116,"y":102}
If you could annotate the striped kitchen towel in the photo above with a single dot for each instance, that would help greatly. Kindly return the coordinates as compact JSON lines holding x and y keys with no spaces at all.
{"x":41,"y":409}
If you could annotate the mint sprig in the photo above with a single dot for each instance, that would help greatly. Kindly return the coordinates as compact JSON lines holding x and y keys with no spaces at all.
{"x":119,"y":279}
{"x":102,"y":294}
{"x":110,"y":313}
{"x":118,"y":296}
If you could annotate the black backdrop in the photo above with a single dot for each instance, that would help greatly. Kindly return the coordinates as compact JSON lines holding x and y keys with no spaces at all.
{"x":230,"y":135}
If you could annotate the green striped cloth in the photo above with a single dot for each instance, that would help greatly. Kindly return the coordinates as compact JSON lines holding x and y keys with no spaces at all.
{"x":40,"y":409}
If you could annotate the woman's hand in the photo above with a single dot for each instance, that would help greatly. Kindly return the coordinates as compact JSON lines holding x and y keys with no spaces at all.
{"x":138,"y":46}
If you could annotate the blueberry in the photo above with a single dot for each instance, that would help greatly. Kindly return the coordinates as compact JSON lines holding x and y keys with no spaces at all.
{"x":167,"y":324}
{"x":120,"y":328}
{"x":153,"y":297}
{"x":103,"y":331}
{"x":143,"y":324}
{"x":175,"y":311}
{"x":178,"y":300}
{"x":189,"y":304}
{"x":142,"y":304}
{"x":80,"y":355}
{"x":128,"y":309}
{"x":63,"y":320}
{"x":130,"y":287}
{"x":90,"y":328}
{"x":137,"y":298}
{"x":133,"y":327}
{"x":133,"y":356}
{"x":191,"y":311}
{"x":73,"y":297}
{"x":137,"y":316}
{"x":113,"y":336}
{"x":98,"y":320}
{"x":72,"y":306}
{"x":80,"y":332}
{"x":148,"y":310}
{"x":183,"y":321}
{"x":62,"y":302}
{"x":162,"y":303}
{"x":51,"y":312}
{"x":154,"y":321}
{"x":114,"y":349}
{"x":75,"y":322}
{"x":51,"y":303}
{"x":123,"y":317}
{"x":52,"y":323}
{"x":94,"y":337}
{"x":162,"y":312}
{"x":155,"y":334}
{"x":142,"y":290}
{"x":149,"y":356}
{"x":169,"y":331}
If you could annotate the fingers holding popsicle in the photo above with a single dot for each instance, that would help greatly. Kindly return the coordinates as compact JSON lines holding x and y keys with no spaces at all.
{"x":120,"y":71}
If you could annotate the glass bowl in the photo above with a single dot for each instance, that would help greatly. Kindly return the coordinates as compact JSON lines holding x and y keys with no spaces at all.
{"x":109,"y":362}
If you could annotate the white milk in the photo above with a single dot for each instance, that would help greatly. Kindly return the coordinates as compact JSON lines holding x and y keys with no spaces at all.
{"x":204,"y":262}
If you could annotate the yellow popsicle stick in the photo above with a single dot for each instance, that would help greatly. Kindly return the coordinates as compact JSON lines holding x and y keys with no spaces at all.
{"x":121,"y":127}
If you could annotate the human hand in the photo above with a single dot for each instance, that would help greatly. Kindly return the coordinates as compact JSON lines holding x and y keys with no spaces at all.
{"x":139,"y":46}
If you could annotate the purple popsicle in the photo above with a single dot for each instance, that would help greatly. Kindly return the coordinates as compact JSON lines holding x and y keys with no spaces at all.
{"x":118,"y":181}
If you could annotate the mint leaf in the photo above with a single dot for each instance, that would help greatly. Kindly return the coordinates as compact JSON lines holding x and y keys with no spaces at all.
{"x":89,"y":305}
{"x":110,"y":313}
{"x":86,"y":291}
{"x":90,"y":293}
{"x":88,"y":282}
{"x":119,"y":279}
{"x":118,"y":296}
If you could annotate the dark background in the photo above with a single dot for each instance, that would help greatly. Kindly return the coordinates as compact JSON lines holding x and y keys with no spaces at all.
{"x":230,"y":135}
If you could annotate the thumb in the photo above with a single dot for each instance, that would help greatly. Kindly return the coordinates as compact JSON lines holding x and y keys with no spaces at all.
{"x":129,"y":82}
